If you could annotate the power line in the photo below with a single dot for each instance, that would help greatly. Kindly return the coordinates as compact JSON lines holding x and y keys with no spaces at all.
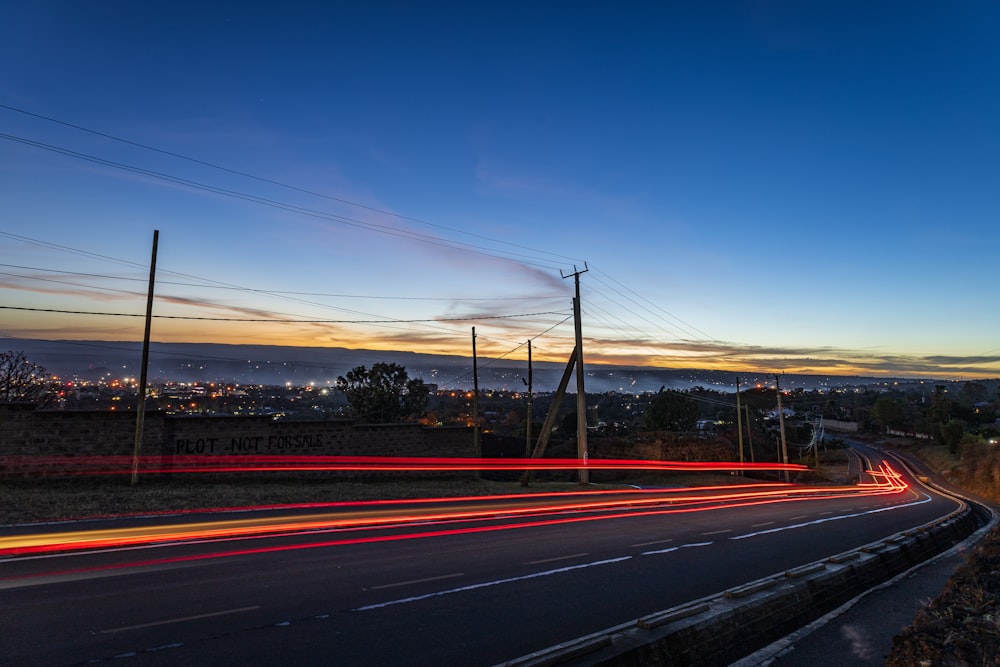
{"x":284,"y":206}
{"x":704,"y":335}
{"x":281,"y":321}
{"x":270,"y":291}
{"x":275,"y":182}
{"x":218,"y":284}
{"x":510,"y":352}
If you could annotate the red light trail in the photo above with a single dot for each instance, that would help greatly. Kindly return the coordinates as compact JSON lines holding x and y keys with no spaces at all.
{"x":172,"y":464}
{"x":514,"y":510}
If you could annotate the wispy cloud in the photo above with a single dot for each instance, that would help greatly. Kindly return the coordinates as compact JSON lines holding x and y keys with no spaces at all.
{"x":493,"y":181}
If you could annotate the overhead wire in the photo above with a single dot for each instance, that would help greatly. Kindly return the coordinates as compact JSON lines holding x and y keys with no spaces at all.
{"x":275,"y":291}
{"x":385,"y":321}
{"x":279,"y":321}
{"x":274,"y":182}
{"x":293,"y":208}
{"x":621,"y":290}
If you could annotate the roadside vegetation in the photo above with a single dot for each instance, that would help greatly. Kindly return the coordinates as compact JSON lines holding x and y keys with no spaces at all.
{"x":961,"y":626}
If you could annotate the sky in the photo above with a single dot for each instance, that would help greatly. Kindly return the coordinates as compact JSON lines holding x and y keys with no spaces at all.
{"x":780,"y":186}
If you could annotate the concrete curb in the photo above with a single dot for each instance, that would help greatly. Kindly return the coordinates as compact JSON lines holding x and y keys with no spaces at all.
{"x":725,"y":627}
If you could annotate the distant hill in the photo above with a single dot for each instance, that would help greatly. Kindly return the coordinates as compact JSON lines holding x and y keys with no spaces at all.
{"x":270,"y":364}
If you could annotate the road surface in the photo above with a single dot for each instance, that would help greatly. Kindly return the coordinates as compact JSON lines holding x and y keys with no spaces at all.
{"x":461,"y":583}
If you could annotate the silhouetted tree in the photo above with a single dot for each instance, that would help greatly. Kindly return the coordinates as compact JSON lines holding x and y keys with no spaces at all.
{"x":670,"y":411}
{"x":24,"y":380}
{"x":889,"y":412}
{"x":384,"y":394}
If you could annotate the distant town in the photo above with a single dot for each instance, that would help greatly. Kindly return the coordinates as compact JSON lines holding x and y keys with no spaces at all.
{"x":299,"y":384}
{"x":243,"y":365}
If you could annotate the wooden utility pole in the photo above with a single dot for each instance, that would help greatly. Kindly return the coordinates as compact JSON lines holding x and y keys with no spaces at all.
{"x":749,"y":432}
{"x":781,"y":422}
{"x":140,"y":411}
{"x":581,"y":396}
{"x":550,"y":418}
{"x":527,"y":441}
{"x":739,"y":420}
{"x":816,"y":438}
{"x":475,"y":398}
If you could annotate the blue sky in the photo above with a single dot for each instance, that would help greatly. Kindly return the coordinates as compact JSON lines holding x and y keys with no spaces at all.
{"x":759,"y":186}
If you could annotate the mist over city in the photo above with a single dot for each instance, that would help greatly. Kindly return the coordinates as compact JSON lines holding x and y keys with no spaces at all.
{"x":298,"y":366}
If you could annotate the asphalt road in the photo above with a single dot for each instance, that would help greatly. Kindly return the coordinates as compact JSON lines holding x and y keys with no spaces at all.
{"x":429,"y":593}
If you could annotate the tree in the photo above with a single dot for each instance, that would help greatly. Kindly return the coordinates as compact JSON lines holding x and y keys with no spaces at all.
{"x":670,"y":411}
{"x":384,"y":394}
{"x":889,"y":412}
{"x":951,"y":434}
{"x":24,"y":381}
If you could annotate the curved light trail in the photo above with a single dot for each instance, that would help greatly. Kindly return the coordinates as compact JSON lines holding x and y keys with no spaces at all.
{"x":416,"y":519}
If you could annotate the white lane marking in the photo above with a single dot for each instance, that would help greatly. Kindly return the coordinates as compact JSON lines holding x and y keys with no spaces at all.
{"x":761,"y":525}
{"x":552,"y":560}
{"x":677,"y":548}
{"x":417,"y":581}
{"x":497,"y":582}
{"x":719,"y":532}
{"x":180,"y":619}
{"x":926,"y":499}
{"x":796,"y":518}
{"x":649,"y":544}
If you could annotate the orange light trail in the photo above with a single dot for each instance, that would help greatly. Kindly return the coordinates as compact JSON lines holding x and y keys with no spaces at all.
{"x":373,"y":515}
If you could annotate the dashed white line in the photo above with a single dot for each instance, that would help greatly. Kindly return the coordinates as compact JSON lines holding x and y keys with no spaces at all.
{"x":677,"y":548}
{"x":417,"y":581}
{"x":179,"y":619}
{"x":649,"y":544}
{"x":557,"y":558}
{"x":926,"y":499}
{"x":719,"y":532}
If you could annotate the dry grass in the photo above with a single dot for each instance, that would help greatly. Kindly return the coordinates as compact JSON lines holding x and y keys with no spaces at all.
{"x":962,"y":626}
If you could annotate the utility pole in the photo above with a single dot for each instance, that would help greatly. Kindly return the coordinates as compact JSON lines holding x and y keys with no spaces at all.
{"x":749,"y":432}
{"x":816,"y":438}
{"x":475,"y":398}
{"x":581,"y":396}
{"x":781,"y":422}
{"x":739,"y":420}
{"x":550,"y":418}
{"x":527,"y":445}
{"x":140,"y":411}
